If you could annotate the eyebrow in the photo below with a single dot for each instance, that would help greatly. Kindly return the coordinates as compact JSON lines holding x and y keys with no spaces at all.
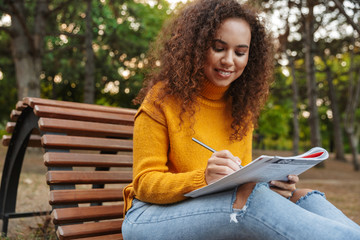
{"x":239,"y":46}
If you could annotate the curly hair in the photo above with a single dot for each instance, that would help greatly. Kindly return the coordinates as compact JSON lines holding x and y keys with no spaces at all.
{"x":181,"y":51}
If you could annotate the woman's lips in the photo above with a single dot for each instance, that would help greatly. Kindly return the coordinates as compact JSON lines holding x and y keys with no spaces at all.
{"x":223,"y":73}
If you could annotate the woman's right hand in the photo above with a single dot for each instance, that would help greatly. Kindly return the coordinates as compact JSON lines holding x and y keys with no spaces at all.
{"x":220,"y":164}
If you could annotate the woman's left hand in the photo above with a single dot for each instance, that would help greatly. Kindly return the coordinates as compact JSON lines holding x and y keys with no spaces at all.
{"x":283,"y":188}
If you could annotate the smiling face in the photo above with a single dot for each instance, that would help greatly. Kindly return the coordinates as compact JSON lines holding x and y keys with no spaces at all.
{"x":228,"y":55}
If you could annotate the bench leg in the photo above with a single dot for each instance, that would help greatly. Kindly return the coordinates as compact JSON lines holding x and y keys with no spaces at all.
{"x":13,"y":162}
{"x":5,"y":224}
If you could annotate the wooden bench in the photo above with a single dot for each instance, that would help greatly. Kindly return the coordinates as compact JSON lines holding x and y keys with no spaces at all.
{"x":88,"y":154}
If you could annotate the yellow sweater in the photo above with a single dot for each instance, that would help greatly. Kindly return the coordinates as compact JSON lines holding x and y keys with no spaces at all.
{"x":167,"y":163}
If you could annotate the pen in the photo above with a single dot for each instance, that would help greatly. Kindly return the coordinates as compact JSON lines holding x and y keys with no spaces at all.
{"x":207,"y":147}
{"x":204,"y":145}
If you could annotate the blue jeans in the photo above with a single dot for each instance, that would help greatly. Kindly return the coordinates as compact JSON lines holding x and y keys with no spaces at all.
{"x":266,"y":215}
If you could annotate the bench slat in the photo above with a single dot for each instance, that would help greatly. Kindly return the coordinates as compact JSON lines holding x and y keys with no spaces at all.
{"x":85,"y":195}
{"x":10,"y":126}
{"x":89,"y":229}
{"x":20,"y":105}
{"x":85,"y":143}
{"x":105,"y":237}
{"x":83,"y":115}
{"x":88,"y":177}
{"x":86,"y":160}
{"x":34,"y":140}
{"x":85,"y":214}
{"x":14,"y":115}
{"x":96,"y":129}
{"x":72,"y":127}
{"x":75,"y":105}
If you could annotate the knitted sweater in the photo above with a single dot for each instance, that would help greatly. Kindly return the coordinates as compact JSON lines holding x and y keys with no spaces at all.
{"x":167,"y":163}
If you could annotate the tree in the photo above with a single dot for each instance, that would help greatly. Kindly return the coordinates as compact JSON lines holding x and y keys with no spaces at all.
{"x":283,"y":40}
{"x":348,"y":18}
{"x":352,"y":98}
{"x":352,"y":125}
{"x":26,"y":44}
{"x":89,"y":85}
{"x":8,"y":93}
{"x":309,"y":22}
{"x":52,"y":42}
{"x":338,"y":138}
{"x":296,"y":126}
{"x":127,"y":30}
{"x":310,"y":18}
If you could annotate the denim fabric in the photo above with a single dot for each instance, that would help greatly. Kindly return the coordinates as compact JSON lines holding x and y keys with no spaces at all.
{"x":266,"y":215}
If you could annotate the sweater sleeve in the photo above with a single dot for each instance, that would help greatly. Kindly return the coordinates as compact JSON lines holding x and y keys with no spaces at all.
{"x":152,"y":180}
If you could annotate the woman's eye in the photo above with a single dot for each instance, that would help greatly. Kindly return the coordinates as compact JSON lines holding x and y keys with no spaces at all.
{"x":217,"y":49}
{"x":239,"y":54}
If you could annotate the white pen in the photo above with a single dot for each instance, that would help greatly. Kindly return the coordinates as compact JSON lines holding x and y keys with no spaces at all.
{"x":207,"y":147}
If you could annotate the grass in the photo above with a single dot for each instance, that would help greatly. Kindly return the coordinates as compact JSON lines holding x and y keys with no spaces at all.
{"x":338,"y":180}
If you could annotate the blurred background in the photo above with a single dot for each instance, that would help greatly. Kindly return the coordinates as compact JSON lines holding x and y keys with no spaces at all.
{"x":95,"y":51}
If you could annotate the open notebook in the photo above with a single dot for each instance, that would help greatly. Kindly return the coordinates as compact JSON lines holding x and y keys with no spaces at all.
{"x":264,"y":169}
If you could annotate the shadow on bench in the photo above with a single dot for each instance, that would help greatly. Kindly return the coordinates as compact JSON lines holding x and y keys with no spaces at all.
{"x":88,"y":153}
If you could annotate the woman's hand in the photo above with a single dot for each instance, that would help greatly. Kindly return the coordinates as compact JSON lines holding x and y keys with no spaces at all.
{"x":283,"y":188}
{"x":220,"y":164}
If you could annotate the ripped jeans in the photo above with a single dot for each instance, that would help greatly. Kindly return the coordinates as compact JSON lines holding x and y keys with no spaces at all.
{"x":266,"y":215}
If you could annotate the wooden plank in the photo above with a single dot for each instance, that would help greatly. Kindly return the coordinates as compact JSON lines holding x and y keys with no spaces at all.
{"x":34,"y":141}
{"x":87,"y":159}
{"x":74,"y":105}
{"x":85,"y":195}
{"x":14,"y":115}
{"x":85,"y":143}
{"x":89,"y":229}
{"x":6,"y":140}
{"x":88,"y":177}
{"x":83,"y":115}
{"x":85,"y":214}
{"x":105,"y":237}
{"x":20,"y":105}
{"x":10,"y":126}
{"x":72,"y":127}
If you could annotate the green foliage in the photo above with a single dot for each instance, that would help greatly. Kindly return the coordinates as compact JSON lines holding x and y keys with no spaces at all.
{"x":2,"y":131}
{"x":8,"y":91}
{"x":275,"y":120}
{"x":122,"y":33}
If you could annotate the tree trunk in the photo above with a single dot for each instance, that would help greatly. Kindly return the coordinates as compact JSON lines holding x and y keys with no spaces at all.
{"x":27,"y":49}
{"x":23,"y":49}
{"x":353,"y":140}
{"x":310,"y":77}
{"x":89,"y":85}
{"x":41,"y":15}
{"x":352,"y":128}
{"x":296,"y":127}
{"x":338,"y":138}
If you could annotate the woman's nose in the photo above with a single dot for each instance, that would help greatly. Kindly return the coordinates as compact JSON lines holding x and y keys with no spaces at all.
{"x":227,"y":60}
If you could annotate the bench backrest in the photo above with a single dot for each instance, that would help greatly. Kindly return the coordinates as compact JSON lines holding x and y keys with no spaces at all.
{"x":88,"y":152}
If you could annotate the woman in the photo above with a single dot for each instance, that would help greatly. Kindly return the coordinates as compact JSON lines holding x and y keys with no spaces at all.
{"x":215,"y":62}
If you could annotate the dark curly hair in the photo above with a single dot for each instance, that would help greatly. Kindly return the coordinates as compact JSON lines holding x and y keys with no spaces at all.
{"x":181,"y":51}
